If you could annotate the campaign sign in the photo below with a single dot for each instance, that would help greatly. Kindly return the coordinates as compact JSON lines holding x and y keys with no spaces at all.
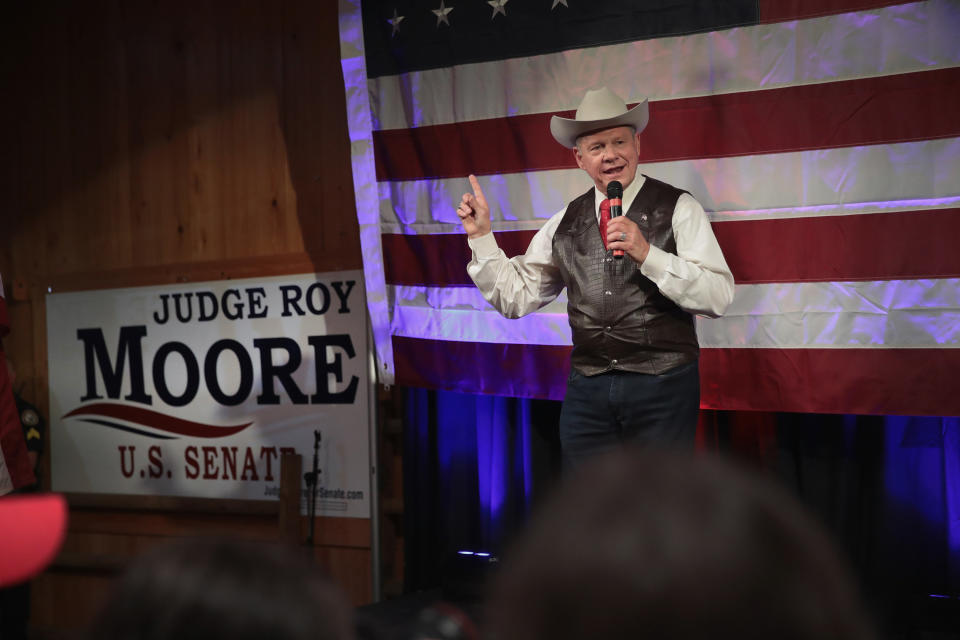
{"x":198,"y":389}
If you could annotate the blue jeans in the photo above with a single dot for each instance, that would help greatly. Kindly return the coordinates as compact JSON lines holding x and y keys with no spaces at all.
{"x":608,"y":410}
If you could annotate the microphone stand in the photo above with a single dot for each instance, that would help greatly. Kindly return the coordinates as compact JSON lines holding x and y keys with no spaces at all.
{"x":310,"y":478}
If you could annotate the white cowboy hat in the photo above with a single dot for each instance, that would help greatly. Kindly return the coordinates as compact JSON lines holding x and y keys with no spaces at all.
{"x":600,"y":109}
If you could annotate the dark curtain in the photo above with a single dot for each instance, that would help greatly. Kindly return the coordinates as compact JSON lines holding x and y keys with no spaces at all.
{"x":888,"y":487}
{"x":473,"y":468}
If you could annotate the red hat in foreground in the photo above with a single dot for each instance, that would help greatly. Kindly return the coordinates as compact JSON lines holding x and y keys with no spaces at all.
{"x":32,"y":528}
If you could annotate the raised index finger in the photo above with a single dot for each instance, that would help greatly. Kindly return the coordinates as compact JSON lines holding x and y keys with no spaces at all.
{"x":477,"y":191}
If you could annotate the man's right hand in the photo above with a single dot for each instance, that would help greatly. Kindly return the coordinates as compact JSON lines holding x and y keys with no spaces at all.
{"x":474,"y":211}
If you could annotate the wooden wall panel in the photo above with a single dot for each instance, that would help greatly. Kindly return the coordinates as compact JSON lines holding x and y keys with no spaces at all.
{"x":154,"y":142}
{"x":156,"y":133}
{"x":64,"y":601}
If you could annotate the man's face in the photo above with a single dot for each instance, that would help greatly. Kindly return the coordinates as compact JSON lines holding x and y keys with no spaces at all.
{"x":608,"y":155}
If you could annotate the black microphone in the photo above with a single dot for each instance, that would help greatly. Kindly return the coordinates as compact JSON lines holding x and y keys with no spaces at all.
{"x":615,"y":195}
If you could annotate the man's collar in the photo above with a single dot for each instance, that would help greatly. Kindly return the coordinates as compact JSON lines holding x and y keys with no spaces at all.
{"x":628,"y":194}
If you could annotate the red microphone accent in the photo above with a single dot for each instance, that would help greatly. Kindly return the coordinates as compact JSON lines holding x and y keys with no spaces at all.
{"x":614,"y":195}
{"x":604,"y":219}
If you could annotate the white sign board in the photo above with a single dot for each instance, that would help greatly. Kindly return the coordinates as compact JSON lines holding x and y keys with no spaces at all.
{"x":198,"y":389}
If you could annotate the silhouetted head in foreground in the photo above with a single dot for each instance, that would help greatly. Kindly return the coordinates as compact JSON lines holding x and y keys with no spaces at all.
{"x":673,"y":546}
{"x":214,"y":588}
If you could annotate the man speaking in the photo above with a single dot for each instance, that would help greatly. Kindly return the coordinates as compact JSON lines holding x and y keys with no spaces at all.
{"x":634,"y":376}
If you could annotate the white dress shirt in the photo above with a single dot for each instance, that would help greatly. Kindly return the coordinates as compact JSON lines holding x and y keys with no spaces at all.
{"x":697,"y":279}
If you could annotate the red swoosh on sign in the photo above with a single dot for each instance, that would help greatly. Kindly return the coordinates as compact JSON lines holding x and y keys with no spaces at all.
{"x":156,"y":420}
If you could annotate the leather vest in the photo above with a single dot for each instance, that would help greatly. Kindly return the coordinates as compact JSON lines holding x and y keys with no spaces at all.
{"x":619,"y":319}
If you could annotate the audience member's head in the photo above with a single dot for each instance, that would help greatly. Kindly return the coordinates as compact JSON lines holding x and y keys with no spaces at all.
{"x":672,"y":546}
{"x":230,"y":589}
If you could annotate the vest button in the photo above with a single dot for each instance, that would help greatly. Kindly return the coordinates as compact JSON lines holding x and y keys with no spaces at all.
{"x":608,"y":293}
{"x":613,"y":362}
{"x":607,"y":328}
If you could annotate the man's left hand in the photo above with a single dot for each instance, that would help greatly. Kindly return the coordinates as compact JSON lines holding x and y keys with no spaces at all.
{"x":633,"y":243}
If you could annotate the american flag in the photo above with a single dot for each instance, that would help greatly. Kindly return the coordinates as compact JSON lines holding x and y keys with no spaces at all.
{"x":15,"y":471}
{"x":822,"y":137}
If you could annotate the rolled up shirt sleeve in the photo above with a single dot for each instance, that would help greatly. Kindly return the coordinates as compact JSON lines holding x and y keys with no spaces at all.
{"x":697,"y":279}
{"x":520,"y":285}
